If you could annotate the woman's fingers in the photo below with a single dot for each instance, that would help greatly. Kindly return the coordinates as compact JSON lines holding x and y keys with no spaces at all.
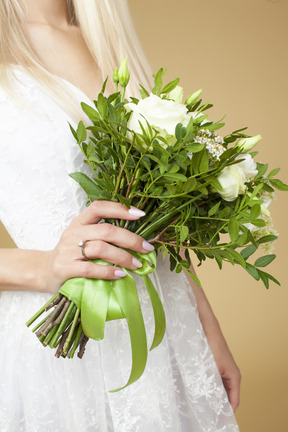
{"x":100,"y":249}
{"x":107,"y":209}
{"x":117,"y":236}
{"x":90,"y":270}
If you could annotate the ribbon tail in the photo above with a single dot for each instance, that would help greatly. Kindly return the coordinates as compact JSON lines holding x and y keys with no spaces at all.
{"x":127,"y":295}
{"x":94,"y":307}
{"x":159,"y":314}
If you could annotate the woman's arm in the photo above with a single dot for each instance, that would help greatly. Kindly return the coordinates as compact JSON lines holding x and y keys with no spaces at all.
{"x":227,"y":367}
{"x":23,"y":270}
{"x":33,"y":270}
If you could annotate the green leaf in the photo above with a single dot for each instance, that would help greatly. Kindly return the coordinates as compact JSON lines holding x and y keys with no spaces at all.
{"x":190,"y":184}
{"x":255,"y":212}
{"x":252,"y":271}
{"x":184,"y":231}
{"x":248,"y":251}
{"x":87,"y":184}
{"x":213,"y":127}
{"x":264,"y":261}
{"x":144,"y":93}
{"x":273,"y":172}
{"x":278,"y":184}
{"x":178,"y":132}
{"x":170,"y":86}
{"x":175,"y":177}
{"x":73,"y":132}
{"x":90,"y":150}
{"x":237,"y":257}
{"x":261,"y":169}
{"x":214,"y":209}
{"x":204,"y":162}
{"x":194,"y":277}
{"x":260,"y":223}
{"x":123,"y":201}
{"x":90,"y":112}
{"x":81,"y":132}
{"x":195,"y":148}
{"x":158,"y":80}
{"x":102,"y":105}
{"x":233,"y":228}
{"x":267,"y":238}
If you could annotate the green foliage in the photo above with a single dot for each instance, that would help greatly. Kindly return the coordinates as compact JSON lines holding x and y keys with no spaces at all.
{"x":175,"y":183}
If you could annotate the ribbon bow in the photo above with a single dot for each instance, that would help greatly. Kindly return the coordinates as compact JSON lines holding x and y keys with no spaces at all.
{"x":104,"y":300}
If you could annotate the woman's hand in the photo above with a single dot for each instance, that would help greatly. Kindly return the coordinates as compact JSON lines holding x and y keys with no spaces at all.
{"x":226,"y":365}
{"x":66,"y":260}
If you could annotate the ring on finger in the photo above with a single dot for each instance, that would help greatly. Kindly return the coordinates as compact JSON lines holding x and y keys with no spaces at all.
{"x":82,"y":244}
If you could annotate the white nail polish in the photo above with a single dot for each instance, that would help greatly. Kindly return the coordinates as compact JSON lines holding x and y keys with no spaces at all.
{"x":147,"y":246}
{"x":136,"y":262}
{"x":120,"y":273}
{"x":136,"y":212}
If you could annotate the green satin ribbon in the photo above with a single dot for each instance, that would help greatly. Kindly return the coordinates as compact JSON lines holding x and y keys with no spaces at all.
{"x":104,"y":300}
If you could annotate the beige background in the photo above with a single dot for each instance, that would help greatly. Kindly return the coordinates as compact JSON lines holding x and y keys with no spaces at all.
{"x":236,"y":50}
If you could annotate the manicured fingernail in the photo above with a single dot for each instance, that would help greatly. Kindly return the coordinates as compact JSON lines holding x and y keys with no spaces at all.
{"x":136,"y":212}
{"x":147,"y":246}
{"x":136,"y":263}
{"x":120,"y":273}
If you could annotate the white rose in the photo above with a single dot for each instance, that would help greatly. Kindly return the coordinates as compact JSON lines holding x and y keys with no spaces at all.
{"x":232,"y":180}
{"x":248,"y":165}
{"x":161,"y":113}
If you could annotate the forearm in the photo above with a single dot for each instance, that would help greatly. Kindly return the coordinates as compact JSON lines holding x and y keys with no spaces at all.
{"x":23,"y":270}
{"x":207,"y":317}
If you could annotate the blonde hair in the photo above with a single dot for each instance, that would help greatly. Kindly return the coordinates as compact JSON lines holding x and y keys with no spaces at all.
{"x":107,"y":29}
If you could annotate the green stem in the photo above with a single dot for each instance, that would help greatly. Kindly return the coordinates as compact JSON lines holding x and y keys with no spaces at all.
{"x":75,"y":344}
{"x":50,"y":335}
{"x":122,"y":169}
{"x":154,"y":225}
{"x":66,"y":345}
{"x":41,"y":322}
{"x":40,"y":311}
{"x":66,"y":320}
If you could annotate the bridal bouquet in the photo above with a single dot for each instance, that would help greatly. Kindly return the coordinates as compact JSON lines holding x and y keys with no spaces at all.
{"x":200,"y":191}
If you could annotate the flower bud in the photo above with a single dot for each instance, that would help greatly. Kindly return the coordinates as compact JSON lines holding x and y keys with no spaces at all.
{"x":123,"y":73}
{"x":247,"y":144}
{"x":193,"y":97}
{"x":176,"y":94}
{"x":115,"y":76}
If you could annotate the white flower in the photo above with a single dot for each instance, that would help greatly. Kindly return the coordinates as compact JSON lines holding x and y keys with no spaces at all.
{"x":248,"y":165}
{"x":232,"y":180}
{"x":161,"y":113}
{"x":247,"y":144}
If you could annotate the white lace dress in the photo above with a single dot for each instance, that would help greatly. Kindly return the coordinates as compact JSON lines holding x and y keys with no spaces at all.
{"x":181,"y":389}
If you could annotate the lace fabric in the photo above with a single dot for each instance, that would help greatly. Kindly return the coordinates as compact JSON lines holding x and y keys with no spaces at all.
{"x":181,"y":389}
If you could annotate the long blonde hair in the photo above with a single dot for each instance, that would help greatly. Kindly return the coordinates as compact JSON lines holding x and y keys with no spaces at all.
{"x":107,"y":29}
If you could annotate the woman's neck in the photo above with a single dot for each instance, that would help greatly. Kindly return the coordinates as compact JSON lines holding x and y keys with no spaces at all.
{"x":49,"y":12}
